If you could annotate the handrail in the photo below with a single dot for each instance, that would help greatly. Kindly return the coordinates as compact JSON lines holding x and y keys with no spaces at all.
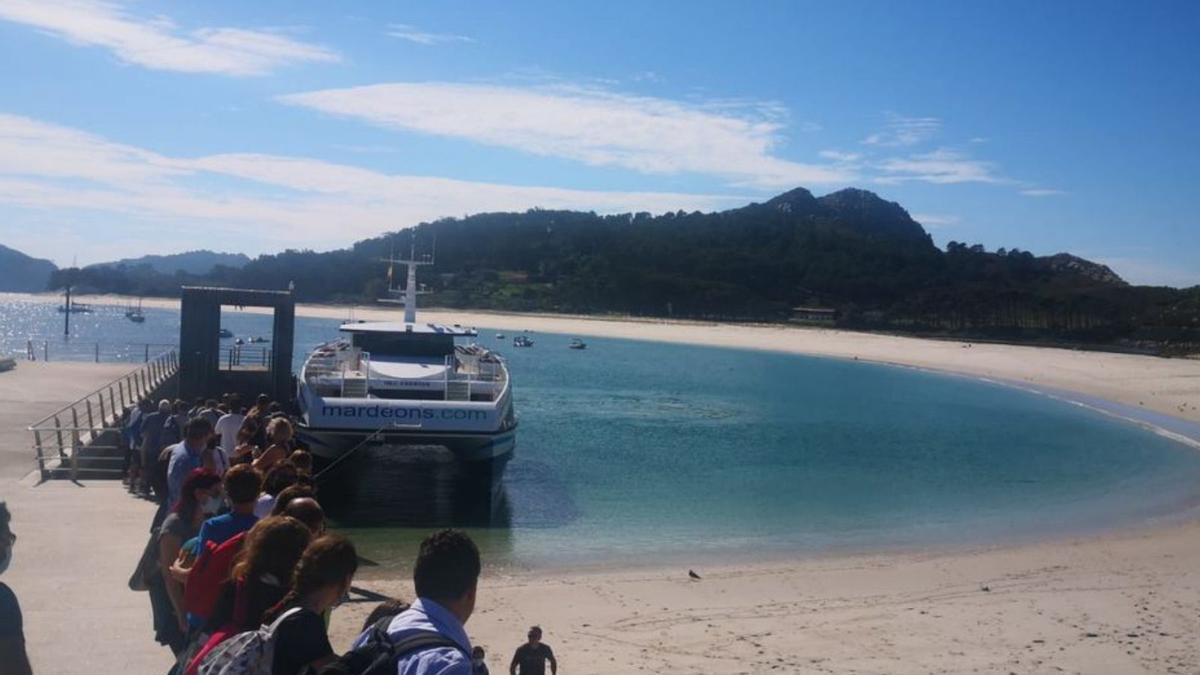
{"x":47,"y":348}
{"x":109,"y":401}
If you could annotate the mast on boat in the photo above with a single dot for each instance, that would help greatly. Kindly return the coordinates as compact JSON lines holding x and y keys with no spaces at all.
{"x":410,"y":288}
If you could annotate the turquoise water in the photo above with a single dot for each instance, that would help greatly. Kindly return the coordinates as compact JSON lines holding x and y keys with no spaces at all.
{"x":633,"y":451}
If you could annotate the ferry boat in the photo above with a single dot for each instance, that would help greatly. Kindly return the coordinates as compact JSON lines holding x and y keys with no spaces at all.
{"x":404,"y":383}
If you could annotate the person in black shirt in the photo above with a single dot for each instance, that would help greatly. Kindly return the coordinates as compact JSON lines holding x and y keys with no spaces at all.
{"x":13,"y":660}
{"x":320,"y":580}
{"x":531,"y":657}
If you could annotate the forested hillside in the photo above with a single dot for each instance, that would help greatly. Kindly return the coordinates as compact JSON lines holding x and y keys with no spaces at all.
{"x":850,"y":250}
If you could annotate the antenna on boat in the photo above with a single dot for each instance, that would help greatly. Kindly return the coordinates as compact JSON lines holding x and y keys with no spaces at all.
{"x":410,"y":288}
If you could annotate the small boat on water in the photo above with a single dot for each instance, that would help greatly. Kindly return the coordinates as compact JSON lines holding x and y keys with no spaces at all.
{"x":576,"y":343}
{"x":258,"y":340}
{"x":135,"y":314}
{"x":75,"y":308}
{"x":522,"y":341}
{"x":225,"y":333}
{"x":499,"y":336}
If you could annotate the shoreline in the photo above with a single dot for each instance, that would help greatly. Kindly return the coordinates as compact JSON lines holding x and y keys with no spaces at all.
{"x":1125,"y":599}
{"x":1167,"y":386}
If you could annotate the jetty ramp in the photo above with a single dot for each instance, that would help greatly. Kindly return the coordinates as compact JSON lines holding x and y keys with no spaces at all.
{"x":77,"y":543}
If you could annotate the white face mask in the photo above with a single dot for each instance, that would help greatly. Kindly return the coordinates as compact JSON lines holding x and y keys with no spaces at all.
{"x":212,"y":505}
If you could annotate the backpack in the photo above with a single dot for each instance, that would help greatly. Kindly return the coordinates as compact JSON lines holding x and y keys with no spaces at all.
{"x":379,"y":654}
{"x":210,"y":572}
{"x":249,"y":653}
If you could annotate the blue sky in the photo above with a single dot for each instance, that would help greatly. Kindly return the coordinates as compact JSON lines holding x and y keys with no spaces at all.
{"x":151,"y":127}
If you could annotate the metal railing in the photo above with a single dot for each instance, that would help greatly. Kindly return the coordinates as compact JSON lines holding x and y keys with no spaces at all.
{"x":92,"y":421}
{"x":246,"y":357}
{"x":45,"y":348}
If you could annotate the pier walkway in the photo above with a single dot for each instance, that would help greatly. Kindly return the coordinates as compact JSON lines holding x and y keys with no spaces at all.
{"x":78,"y":542}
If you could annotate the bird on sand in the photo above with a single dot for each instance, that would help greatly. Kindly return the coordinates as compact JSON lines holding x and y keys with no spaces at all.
{"x":693,"y":575}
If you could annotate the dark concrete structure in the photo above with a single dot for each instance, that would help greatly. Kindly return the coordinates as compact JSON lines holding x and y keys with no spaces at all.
{"x":201,"y":371}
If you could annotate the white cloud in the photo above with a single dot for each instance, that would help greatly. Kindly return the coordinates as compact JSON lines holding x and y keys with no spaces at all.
{"x":839,"y":156}
{"x":904,"y":131}
{"x":936,"y":220}
{"x":157,"y":43}
{"x":413,"y":34}
{"x":1041,"y":192}
{"x":732,"y":140}
{"x":942,"y":166}
{"x":69,"y":175}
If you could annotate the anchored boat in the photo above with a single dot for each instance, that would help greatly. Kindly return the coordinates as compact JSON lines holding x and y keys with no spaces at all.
{"x":404,"y":383}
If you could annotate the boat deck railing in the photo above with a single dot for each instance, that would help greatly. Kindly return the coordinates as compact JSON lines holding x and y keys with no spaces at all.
{"x":467,"y":374}
{"x":349,"y":364}
{"x":85,"y":435}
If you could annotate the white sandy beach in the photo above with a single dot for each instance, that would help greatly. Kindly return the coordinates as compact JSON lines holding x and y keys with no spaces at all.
{"x":1168,"y":386}
{"x":1123,"y":602}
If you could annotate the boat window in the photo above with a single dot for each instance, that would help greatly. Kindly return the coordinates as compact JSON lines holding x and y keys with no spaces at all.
{"x":406,"y":344}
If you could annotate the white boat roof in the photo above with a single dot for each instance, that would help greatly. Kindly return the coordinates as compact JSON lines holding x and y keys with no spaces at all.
{"x":402,"y":327}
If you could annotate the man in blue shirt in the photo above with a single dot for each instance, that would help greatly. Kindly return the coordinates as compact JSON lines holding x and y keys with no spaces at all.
{"x":446,"y":576}
{"x":242,"y":484}
{"x":186,"y":455}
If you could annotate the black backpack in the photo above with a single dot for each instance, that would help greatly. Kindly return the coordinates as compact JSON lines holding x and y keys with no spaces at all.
{"x":379,"y":654}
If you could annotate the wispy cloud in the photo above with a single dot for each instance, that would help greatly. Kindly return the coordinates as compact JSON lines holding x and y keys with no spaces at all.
{"x":413,"y":34}
{"x":942,"y":166}
{"x":157,"y":43}
{"x":68,"y":175}
{"x":732,"y":140}
{"x":1041,"y":192}
{"x":839,"y":156}
{"x":936,"y":220}
{"x":900,"y":131}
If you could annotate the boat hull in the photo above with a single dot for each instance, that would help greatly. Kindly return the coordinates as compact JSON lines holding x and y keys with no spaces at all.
{"x":331,"y":444}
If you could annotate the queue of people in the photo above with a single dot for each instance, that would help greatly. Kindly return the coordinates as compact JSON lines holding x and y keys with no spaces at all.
{"x":242,"y":575}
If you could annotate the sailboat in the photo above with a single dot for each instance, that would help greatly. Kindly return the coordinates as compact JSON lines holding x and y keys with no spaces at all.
{"x":134,"y":314}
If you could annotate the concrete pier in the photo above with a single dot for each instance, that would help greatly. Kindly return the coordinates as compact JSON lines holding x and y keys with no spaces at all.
{"x":77,"y":543}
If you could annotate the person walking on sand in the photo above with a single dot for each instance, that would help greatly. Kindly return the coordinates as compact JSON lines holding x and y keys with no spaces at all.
{"x":531,"y":657}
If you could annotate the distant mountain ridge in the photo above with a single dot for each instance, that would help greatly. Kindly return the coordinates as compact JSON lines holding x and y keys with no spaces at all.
{"x":851,"y":251}
{"x":189,"y":262}
{"x":20,"y":273}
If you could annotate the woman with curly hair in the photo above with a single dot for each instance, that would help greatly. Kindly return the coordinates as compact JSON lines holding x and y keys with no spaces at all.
{"x":260,"y":579}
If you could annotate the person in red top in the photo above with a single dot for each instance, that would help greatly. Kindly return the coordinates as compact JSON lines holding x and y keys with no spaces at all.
{"x":259,"y":581}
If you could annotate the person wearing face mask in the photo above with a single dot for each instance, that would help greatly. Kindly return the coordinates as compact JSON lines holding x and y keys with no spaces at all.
{"x":322,"y":578}
{"x":187,"y":455}
{"x":242,"y":484}
{"x":13,"y":659}
{"x":200,"y":492}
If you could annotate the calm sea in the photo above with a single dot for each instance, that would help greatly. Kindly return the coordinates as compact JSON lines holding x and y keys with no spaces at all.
{"x":631,"y":452}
